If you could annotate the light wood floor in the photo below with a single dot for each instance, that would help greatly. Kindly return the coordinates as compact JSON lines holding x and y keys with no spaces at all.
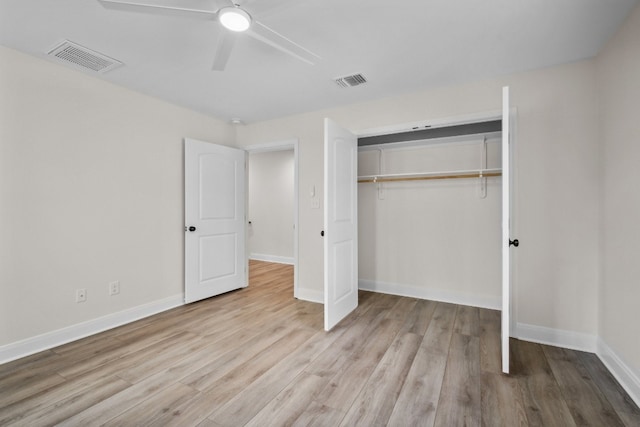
{"x":258,"y":357}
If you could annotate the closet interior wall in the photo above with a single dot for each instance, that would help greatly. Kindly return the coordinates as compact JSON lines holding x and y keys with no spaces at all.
{"x":432,"y":238}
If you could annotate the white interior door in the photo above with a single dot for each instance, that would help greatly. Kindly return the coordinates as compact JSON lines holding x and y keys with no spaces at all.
{"x":215,"y":259}
{"x":507,"y":188}
{"x":340,"y":223}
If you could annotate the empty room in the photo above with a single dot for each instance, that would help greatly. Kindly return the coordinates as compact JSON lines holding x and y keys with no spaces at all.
{"x":278,"y":212}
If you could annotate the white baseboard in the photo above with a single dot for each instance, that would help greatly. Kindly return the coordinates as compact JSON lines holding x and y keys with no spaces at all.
{"x":272,"y":258}
{"x":58,"y":337}
{"x":556,"y":337}
{"x":310,"y":295}
{"x":493,"y":303}
{"x":628,"y":377}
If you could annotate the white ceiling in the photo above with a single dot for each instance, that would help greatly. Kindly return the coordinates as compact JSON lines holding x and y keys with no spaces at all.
{"x":398,"y":46}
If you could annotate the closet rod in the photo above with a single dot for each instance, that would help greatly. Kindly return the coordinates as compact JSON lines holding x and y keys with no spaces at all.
{"x":430,"y":175}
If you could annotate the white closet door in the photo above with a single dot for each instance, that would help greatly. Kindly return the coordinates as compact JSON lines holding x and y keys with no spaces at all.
{"x":507,"y":172}
{"x":340,"y":223}
{"x":215,"y":221}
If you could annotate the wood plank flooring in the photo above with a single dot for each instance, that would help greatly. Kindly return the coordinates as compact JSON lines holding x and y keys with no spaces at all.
{"x":258,"y":357}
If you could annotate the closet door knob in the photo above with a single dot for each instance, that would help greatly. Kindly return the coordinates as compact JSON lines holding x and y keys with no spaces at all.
{"x":192,"y":229}
{"x":514,"y":243}
{"x":322,"y":233}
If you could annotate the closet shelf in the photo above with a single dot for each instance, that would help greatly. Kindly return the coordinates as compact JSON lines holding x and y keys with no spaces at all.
{"x":476,"y":173}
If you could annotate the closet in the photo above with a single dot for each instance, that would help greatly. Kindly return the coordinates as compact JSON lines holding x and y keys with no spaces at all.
{"x":429,"y":214}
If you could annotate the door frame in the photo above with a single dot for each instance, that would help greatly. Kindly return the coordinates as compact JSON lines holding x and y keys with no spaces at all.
{"x":285,"y":145}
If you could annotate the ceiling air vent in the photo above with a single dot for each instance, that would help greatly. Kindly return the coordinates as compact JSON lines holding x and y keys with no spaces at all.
{"x":82,"y":57}
{"x":350,"y":81}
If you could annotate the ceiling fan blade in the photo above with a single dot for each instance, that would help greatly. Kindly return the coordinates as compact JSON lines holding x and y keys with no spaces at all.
{"x":225,"y":44}
{"x":200,"y":9}
{"x":265,"y":8}
{"x":266,"y":35}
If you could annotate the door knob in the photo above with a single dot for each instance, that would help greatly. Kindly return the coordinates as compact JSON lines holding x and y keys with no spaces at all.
{"x":514,"y":243}
{"x":322,"y":233}
{"x":192,"y":229}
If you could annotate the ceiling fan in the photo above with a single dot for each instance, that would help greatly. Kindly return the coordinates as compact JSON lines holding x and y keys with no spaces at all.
{"x":233,"y":17}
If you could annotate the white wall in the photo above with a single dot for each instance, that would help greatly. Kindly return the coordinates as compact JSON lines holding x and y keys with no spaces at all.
{"x":91,"y":187}
{"x":556,"y":174}
{"x":270,"y":209}
{"x":435,"y":239}
{"x":619,"y":71}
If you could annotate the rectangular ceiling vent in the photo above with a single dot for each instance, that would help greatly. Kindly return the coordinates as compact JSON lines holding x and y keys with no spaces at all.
{"x":350,"y":81}
{"x":82,"y":57}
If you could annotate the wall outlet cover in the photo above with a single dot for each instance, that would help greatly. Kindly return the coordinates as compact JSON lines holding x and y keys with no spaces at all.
{"x":114,"y":288}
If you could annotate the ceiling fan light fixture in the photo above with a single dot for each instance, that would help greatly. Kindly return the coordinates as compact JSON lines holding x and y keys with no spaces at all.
{"x":234,"y":18}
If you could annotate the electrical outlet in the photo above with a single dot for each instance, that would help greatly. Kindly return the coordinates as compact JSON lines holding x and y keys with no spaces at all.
{"x":114,"y":288}
{"x":81,"y":295}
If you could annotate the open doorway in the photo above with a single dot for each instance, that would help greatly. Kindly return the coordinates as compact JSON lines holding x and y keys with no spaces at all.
{"x":272,"y":204}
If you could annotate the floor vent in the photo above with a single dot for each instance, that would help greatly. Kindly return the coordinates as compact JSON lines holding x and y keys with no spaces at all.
{"x":350,"y":81}
{"x":82,"y":57}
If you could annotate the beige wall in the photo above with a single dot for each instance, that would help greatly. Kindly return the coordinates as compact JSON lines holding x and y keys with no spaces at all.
{"x":91,"y":191}
{"x":556,"y":176}
{"x":619,"y":78}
